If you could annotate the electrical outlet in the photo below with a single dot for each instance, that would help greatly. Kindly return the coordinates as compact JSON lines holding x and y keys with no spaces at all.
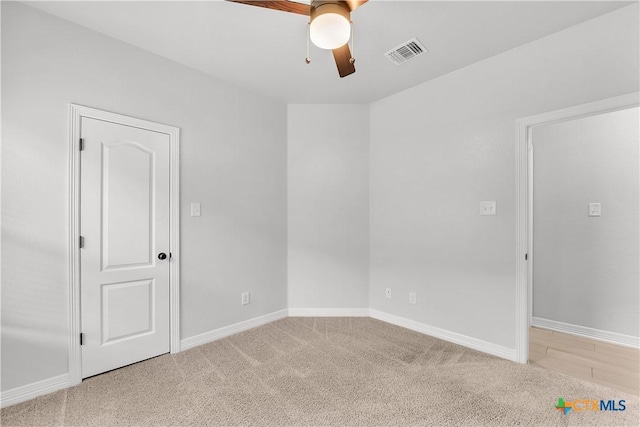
{"x":595,"y":209}
{"x":488,"y":208}
{"x":387,"y":292}
{"x":245,"y":298}
{"x":412,"y":297}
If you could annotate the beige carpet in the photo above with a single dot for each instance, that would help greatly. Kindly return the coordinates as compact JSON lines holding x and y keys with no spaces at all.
{"x":324,"y":371}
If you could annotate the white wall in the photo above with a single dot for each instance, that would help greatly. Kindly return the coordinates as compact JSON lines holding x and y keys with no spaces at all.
{"x":233,"y":161}
{"x":440,"y":148}
{"x":586,"y":269}
{"x":328,"y":206}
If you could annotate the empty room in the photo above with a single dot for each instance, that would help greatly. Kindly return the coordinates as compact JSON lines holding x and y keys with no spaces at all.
{"x":320,"y":213}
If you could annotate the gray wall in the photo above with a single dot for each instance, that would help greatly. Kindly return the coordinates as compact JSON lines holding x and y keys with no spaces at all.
{"x":440,"y":148}
{"x":586,"y":269}
{"x":233,"y":161}
{"x":328,"y":208}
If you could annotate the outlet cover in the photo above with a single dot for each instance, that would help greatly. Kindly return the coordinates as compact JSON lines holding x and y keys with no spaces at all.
{"x":412,"y":297}
{"x":488,"y":207}
{"x":245,"y":298}
{"x":595,"y":209}
{"x":195,"y":209}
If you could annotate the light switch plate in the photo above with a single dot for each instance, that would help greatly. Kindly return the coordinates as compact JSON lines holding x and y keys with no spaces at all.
{"x":595,"y":209}
{"x":488,"y":207}
{"x":195,"y":209}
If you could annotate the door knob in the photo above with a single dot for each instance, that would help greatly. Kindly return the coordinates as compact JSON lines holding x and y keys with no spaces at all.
{"x":162,"y":255}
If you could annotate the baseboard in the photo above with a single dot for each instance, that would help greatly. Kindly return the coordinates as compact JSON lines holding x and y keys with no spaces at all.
{"x":225,"y":331}
{"x":30,"y":391}
{"x":597,"y":334}
{"x":474,"y":343}
{"x":33,"y":390}
{"x":328,"y":312}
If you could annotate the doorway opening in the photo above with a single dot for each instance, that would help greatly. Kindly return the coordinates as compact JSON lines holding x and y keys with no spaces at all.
{"x":524,"y":228}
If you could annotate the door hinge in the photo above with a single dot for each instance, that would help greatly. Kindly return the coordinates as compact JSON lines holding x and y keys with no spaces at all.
{"x":81,"y":339}
{"x":81,"y":145}
{"x":81,"y":242}
{"x":526,"y":257}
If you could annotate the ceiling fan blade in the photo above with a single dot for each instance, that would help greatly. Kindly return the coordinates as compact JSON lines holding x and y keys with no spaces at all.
{"x":282,"y":5}
{"x":342,"y":55}
{"x":354,"y":4}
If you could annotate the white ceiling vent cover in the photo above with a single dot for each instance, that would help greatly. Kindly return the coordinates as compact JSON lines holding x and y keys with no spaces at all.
{"x":406,"y":51}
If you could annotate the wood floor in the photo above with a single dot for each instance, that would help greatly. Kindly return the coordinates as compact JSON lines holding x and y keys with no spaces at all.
{"x":608,"y":364}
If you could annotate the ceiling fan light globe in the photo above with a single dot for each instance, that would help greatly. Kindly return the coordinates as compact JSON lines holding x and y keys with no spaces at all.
{"x":330,"y":30}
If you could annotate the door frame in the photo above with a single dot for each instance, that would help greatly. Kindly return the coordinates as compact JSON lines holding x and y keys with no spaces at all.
{"x":524,"y":202}
{"x":76,"y":113}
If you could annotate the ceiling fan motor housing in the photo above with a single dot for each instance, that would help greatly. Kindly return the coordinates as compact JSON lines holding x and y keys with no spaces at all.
{"x":319,"y":7}
{"x":330,"y":26}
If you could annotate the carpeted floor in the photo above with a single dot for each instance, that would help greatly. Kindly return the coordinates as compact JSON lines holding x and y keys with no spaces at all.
{"x":324,"y":371}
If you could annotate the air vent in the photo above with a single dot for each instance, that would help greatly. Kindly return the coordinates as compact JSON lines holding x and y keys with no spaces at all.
{"x":406,"y":51}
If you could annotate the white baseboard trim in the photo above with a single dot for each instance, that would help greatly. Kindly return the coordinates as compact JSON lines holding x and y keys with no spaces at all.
{"x":30,"y":391}
{"x":33,"y":390}
{"x":328,"y":312}
{"x":474,"y":343}
{"x":597,"y":334}
{"x":225,"y":331}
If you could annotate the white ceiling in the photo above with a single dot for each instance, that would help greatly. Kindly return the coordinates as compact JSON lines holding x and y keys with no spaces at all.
{"x":264,"y":50}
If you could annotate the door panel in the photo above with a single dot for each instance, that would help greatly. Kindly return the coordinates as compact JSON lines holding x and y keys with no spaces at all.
{"x":125,"y":224}
{"x":127,"y":310}
{"x":127,"y":181}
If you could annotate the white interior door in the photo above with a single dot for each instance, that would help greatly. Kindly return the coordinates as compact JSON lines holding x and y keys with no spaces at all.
{"x":124,"y":278}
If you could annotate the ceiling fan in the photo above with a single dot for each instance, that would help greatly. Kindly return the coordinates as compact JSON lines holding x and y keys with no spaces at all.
{"x":329,"y":25}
